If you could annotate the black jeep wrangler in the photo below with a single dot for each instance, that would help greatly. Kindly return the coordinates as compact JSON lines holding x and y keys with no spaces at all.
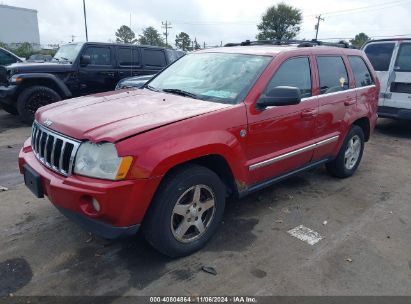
{"x":77,"y":69}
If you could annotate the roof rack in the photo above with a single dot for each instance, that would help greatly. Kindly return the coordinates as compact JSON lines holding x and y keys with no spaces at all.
{"x":300,"y":43}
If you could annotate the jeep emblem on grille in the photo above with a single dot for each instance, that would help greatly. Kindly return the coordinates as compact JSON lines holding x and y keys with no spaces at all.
{"x":48,"y":123}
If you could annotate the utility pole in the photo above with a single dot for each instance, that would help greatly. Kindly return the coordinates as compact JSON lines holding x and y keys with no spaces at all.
{"x":85,"y":18}
{"x":72,"y":38}
{"x":317,"y":27}
{"x":166,"y":25}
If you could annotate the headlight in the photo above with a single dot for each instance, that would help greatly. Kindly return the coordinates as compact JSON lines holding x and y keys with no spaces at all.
{"x":101,"y":161}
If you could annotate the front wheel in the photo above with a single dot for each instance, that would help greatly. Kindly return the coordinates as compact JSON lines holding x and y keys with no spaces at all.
{"x":186,"y":211}
{"x":33,"y":98}
{"x":350,"y":154}
{"x":8,"y":108}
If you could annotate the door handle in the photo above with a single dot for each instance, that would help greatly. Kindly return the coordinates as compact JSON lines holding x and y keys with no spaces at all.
{"x":350,"y":101}
{"x":309,"y":113}
{"x":110,"y":74}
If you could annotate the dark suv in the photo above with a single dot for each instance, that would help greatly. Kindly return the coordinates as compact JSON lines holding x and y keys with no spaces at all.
{"x":77,"y":69}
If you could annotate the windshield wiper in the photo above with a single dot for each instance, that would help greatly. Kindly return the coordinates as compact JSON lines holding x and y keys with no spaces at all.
{"x":152,"y":88}
{"x":181,"y":92}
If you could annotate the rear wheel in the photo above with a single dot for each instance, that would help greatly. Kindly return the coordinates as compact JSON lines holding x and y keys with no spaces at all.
{"x":186,"y":211}
{"x":349,"y":157}
{"x":33,"y":98}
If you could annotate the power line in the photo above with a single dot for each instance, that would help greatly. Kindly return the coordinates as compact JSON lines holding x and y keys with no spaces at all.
{"x":366,"y":8}
{"x":328,"y":14}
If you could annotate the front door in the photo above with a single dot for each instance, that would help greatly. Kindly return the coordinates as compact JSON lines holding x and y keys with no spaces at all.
{"x":100,"y":75}
{"x":281,"y":139}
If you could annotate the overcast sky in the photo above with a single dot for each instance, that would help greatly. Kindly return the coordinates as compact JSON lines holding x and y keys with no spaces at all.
{"x":213,"y":21}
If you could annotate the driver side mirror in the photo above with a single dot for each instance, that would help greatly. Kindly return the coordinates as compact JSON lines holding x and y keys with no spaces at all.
{"x":280,"y":96}
{"x":85,"y":60}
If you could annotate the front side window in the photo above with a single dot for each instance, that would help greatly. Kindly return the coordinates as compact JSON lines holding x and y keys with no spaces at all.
{"x":362,"y":74}
{"x":333,"y":74}
{"x":99,"y":55}
{"x":380,"y":55}
{"x":403,"y":63}
{"x":294,"y":72}
{"x":219,"y":77}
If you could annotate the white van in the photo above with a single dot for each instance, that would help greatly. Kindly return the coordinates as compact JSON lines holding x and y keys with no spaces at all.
{"x":391,"y":59}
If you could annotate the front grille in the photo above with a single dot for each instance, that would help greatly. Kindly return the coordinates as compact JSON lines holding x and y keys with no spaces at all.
{"x":54,"y":150}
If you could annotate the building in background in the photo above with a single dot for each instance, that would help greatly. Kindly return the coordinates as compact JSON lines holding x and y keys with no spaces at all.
{"x":18,"y":25}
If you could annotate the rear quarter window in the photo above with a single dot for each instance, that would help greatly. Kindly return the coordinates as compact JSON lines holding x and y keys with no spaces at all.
{"x":362,"y":74}
{"x":403,"y":62}
{"x":154,"y":58}
{"x":380,"y":55}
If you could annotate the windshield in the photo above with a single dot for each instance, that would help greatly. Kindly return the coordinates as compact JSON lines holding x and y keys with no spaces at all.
{"x":219,"y":77}
{"x":68,"y":52}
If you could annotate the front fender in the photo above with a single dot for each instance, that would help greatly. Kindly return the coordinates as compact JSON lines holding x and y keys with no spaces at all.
{"x":159,"y":159}
{"x":157,"y":151}
{"x":46,"y":76}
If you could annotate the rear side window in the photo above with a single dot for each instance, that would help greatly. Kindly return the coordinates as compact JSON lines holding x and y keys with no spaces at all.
{"x":154,"y":58}
{"x":99,"y":55}
{"x":128,"y":56}
{"x":362,"y":74}
{"x":380,"y":55}
{"x":403,"y":63}
{"x":333,"y":74}
{"x":294,"y":72}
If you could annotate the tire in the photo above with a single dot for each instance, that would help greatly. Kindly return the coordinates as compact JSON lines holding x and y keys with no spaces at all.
{"x":347,"y":162}
{"x":9,"y":109}
{"x":165,"y":226}
{"x":33,"y":98}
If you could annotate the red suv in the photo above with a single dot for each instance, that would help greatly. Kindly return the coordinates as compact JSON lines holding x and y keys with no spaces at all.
{"x":216,"y":123}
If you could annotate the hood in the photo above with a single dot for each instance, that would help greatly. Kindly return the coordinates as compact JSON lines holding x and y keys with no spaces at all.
{"x":36,"y":67}
{"x":115,"y":115}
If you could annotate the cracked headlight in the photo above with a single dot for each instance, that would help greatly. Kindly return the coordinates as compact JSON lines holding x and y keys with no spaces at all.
{"x":101,"y":161}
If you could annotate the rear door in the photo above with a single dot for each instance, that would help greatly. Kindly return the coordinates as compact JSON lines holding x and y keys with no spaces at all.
{"x":400,"y":86}
{"x":381,"y":56}
{"x":335,"y":100}
{"x":129,"y":62}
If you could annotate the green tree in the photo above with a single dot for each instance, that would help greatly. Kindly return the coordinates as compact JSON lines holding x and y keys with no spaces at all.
{"x":125,"y":35}
{"x":183,"y":41}
{"x":280,"y":22}
{"x":359,"y":40}
{"x":24,"y":50}
{"x":151,"y":36}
